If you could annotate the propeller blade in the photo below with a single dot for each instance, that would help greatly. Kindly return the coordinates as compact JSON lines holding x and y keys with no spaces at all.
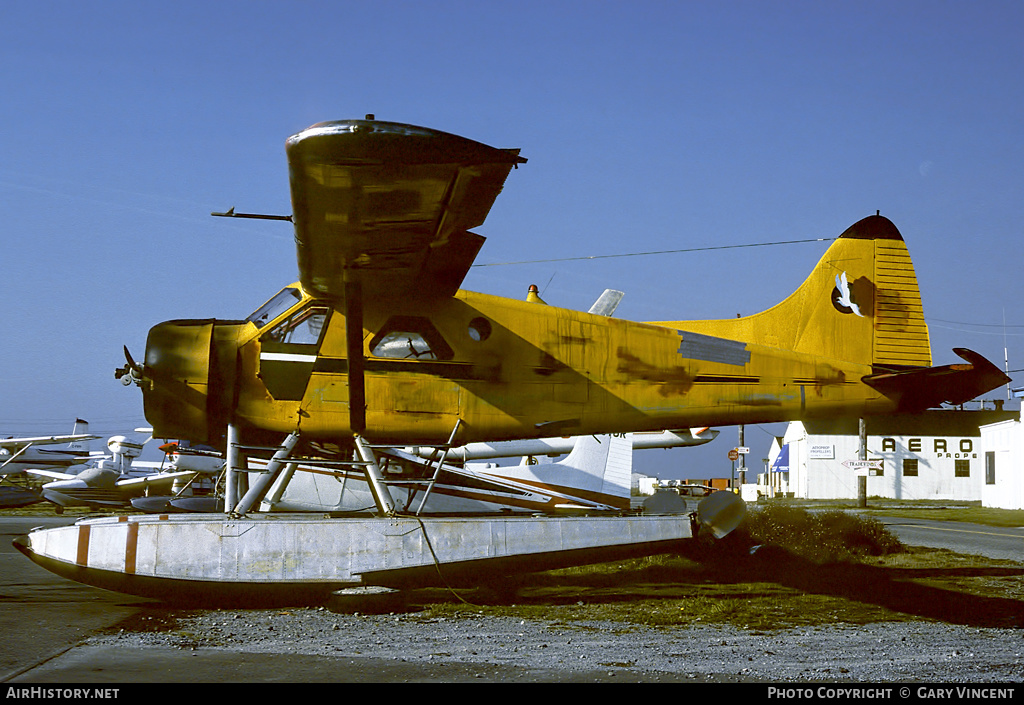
{"x":721,"y":512}
{"x":131,"y":372}
{"x":131,"y":362}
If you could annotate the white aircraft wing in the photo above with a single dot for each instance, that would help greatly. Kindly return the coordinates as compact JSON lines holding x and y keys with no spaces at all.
{"x":560,"y":445}
{"x":19,"y":443}
{"x":52,"y":474}
{"x":155,"y":480}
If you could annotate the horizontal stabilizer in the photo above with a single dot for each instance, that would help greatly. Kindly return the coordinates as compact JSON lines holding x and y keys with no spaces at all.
{"x":928,"y":387}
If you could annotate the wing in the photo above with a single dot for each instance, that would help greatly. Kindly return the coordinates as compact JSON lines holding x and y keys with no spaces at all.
{"x":50,"y":474}
{"x":16,"y":443}
{"x":163,"y":480}
{"x":389,"y":206}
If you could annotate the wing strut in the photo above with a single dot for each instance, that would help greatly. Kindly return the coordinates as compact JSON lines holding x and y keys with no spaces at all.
{"x":354,"y":349}
{"x":381,"y":496}
{"x":15,"y":455}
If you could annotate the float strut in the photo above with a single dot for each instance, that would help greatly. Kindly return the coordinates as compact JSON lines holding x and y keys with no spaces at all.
{"x":267,"y":477}
{"x":440,"y":464}
{"x":381,"y":496}
{"x":235,"y":467}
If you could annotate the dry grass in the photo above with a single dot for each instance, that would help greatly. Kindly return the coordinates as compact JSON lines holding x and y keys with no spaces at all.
{"x":805,"y":569}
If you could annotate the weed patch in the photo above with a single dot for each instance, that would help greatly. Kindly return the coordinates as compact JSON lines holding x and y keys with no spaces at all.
{"x":783,"y":567}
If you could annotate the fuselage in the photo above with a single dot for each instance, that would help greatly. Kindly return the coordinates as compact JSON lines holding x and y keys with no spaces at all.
{"x":39,"y":458}
{"x":502,"y":368}
{"x":380,"y":342}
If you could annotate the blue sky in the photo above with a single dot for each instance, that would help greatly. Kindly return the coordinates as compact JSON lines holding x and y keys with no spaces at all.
{"x":647,"y":126}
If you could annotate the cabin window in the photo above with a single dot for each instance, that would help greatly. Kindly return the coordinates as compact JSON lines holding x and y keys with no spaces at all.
{"x":479,"y":329}
{"x":403,"y":344}
{"x":410,"y":338}
{"x":301,"y":328}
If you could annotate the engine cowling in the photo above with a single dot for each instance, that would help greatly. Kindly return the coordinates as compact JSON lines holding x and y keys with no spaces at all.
{"x":190,"y":378}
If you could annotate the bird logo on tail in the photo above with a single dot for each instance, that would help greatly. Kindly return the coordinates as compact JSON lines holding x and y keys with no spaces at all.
{"x":841,"y":297}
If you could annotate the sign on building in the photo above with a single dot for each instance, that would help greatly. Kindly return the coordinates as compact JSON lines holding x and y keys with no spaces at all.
{"x":821,"y":451}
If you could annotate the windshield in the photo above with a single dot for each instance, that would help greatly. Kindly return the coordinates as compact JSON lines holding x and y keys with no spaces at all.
{"x":302,"y":327}
{"x":282,"y":301}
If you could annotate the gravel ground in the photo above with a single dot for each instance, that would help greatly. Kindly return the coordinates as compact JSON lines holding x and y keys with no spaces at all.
{"x":494,"y":647}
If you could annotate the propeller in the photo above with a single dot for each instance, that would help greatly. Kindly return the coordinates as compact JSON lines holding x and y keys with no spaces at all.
{"x":131,"y":372}
{"x":721,"y":512}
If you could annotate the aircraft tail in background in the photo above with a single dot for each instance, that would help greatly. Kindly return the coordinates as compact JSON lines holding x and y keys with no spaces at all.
{"x":84,"y":445}
{"x":598,"y":469}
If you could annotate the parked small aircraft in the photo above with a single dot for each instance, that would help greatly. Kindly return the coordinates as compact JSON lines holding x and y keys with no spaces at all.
{"x":207,"y":466}
{"x":111,"y":481}
{"x":376,"y":341}
{"x":19,"y":454}
{"x":377,"y":344}
{"x":552,"y":447}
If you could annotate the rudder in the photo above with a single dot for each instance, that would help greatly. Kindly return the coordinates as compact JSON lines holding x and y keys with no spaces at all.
{"x":900,"y":333}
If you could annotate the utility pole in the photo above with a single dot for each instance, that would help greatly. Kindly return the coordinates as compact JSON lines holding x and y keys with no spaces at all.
{"x":862,"y":480}
{"x":743,"y":459}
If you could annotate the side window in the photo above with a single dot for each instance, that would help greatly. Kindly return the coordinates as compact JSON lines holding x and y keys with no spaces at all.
{"x":288,"y":351}
{"x":910,"y":467}
{"x":301,"y":328}
{"x":410,"y":338}
{"x":962,"y":468}
{"x":403,"y":344}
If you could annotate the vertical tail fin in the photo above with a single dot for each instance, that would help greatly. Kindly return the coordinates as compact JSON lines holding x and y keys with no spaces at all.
{"x":598,"y":469}
{"x":861,"y":304}
{"x":601,"y":464}
{"x":84,"y":446}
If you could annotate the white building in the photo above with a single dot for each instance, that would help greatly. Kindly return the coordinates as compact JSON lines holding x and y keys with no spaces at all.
{"x":932,"y":455}
{"x":642,"y":484}
{"x":1003,"y":443}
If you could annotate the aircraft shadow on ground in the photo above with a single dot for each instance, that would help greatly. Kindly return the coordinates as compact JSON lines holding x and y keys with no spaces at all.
{"x":908,"y":591}
{"x":903,"y":590}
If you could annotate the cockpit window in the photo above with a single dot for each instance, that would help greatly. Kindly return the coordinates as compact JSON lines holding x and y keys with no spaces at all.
{"x":301,"y":328}
{"x":282,"y":301}
{"x":410,"y":338}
